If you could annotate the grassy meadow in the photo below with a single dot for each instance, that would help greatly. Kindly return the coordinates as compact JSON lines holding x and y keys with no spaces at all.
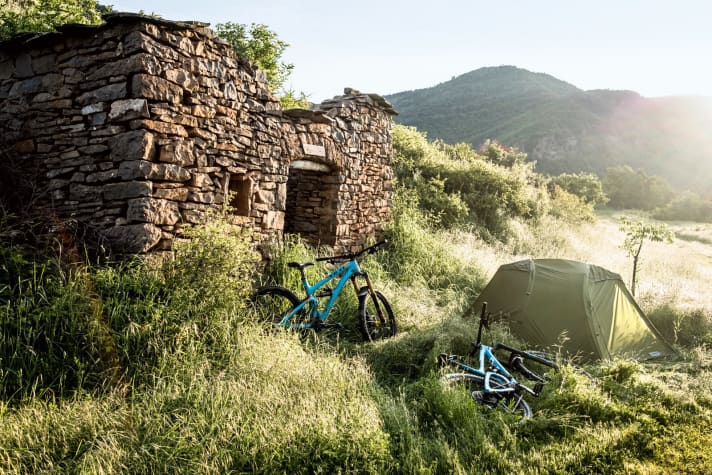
{"x":147,"y":366}
{"x":161,"y":369}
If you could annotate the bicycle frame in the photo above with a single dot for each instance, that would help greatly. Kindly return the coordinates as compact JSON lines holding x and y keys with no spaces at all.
{"x":345,"y":272}
{"x":499,"y":372}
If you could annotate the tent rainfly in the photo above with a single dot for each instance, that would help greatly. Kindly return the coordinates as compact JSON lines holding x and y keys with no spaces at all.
{"x":590,"y":306}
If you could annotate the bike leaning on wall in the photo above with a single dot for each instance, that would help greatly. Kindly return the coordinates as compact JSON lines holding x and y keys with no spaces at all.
{"x":282,"y":307}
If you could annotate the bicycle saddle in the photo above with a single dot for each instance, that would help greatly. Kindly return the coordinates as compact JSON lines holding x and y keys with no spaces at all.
{"x":298,"y":265}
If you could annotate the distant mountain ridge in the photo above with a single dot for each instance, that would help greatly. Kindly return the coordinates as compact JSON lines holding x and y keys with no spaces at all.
{"x":566,"y":129}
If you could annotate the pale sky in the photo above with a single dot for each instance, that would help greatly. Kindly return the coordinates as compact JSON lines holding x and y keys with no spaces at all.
{"x":654,"y":47}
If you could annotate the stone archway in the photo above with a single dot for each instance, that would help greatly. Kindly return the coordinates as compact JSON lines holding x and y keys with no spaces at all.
{"x":312,"y":202}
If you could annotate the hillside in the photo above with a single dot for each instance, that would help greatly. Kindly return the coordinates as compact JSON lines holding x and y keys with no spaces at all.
{"x":566,"y":129}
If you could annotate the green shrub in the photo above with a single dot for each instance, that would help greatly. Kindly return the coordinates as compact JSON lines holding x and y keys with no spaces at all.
{"x":212,"y":270}
{"x":586,"y":186}
{"x":687,"y":206}
{"x":628,"y":188}
{"x":455,"y":185}
{"x":569,"y":207}
{"x":445,"y":209}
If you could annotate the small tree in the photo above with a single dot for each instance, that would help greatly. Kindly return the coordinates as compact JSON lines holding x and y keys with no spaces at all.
{"x":637,"y":232}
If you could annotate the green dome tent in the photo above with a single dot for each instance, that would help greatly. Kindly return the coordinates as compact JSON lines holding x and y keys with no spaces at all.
{"x":545,"y":298}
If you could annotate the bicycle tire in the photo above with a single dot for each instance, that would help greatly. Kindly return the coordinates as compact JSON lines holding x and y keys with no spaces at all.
{"x":372,"y":327}
{"x":514,"y":403}
{"x":271,"y":303}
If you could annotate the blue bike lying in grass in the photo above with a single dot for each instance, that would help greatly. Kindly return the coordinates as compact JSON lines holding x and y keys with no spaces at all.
{"x":491,"y":383}
{"x":281,"y":306}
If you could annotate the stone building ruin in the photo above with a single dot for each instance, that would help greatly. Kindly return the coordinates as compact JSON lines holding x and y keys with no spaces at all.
{"x":139,"y":126}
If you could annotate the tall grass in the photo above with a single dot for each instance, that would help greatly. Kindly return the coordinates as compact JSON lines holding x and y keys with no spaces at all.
{"x":203,"y":388}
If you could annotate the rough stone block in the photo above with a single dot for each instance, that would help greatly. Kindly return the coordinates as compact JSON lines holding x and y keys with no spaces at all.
{"x":44,"y":64}
{"x":274,"y":220}
{"x":153,"y":87}
{"x":134,"y":64}
{"x":131,"y":170}
{"x":206,"y":198}
{"x":182,"y":78}
{"x":102,"y":94}
{"x":201,"y":180}
{"x":174,"y":194}
{"x":122,"y":191}
{"x":134,"y":238}
{"x":84,"y":193}
{"x":156,"y":211}
{"x":203,"y":111}
{"x":93,"y":108}
{"x":23,"y":66}
{"x":127,"y":109}
{"x":26,"y":146}
{"x":28,"y":86}
{"x":179,"y":152}
{"x":102,"y":176}
{"x":6,"y":69}
{"x":133,"y":145}
{"x":159,"y":127}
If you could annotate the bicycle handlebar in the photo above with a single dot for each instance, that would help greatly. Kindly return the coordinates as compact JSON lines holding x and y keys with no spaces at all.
{"x":348,"y":257}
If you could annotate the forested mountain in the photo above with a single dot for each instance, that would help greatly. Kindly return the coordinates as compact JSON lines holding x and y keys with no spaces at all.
{"x":566,"y":129}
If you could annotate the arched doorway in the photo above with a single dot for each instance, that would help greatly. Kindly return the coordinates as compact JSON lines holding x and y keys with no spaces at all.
{"x":312,"y":192}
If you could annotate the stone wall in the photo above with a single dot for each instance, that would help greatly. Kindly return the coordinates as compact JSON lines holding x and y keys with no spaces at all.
{"x":139,"y":126}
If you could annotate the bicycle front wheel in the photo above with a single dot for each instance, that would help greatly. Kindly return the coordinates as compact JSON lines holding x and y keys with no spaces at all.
{"x":510,"y":402}
{"x":375,"y":325}
{"x":271,"y":304}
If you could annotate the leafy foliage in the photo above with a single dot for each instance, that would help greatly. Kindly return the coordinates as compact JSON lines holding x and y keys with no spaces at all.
{"x":570,"y":207}
{"x":628,"y":188}
{"x":457,"y":185}
{"x":586,"y":186}
{"x":18,"y":16}
{"x":293,"y":100}
{"x":502,"y":155}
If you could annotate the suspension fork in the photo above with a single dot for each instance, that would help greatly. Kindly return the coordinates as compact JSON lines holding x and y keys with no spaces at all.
{"x":371,"y":291}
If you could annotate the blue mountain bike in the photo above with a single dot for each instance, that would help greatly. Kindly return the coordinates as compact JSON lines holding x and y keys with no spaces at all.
{"x":282,"y":307}
{"x":491,"y":383}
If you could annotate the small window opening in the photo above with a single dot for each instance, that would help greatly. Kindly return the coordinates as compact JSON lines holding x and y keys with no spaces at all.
{"x":240,"y":194}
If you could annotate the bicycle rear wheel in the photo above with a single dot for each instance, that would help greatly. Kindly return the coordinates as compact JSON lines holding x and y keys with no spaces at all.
{"x":375,"y":327}
{"x":271,"y":304}
{"x":511,"y":402}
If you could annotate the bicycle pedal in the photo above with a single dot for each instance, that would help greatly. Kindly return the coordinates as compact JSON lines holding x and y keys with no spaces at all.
{"x":442,"y":360}
{"x":337,"y":325}
{"x":538,"y":387}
